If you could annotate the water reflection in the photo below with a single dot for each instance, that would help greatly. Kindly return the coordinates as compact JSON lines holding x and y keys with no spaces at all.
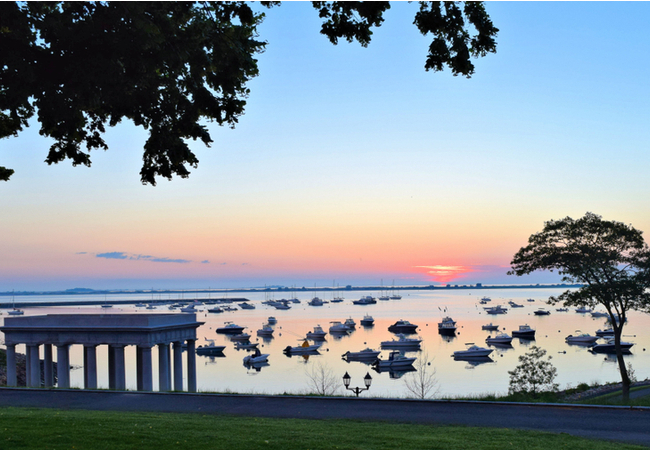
{"x":255,"y":367}
{"x":473,"y":361}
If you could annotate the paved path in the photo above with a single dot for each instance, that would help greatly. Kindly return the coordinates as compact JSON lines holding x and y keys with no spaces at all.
{"x":612,"y":423}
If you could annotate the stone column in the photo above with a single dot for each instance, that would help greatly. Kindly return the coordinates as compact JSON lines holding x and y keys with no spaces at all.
{"x":178,"y":366}
{"x":63,"y":365}
{"x":111,"y":367}
{"x":48,"y":365}
{"x":120,"y":367}
{"x":34,"y":363}
{"x":164,"y":381}
{"x":28,"y":366}
{"x":191,"y":365}
{"x":90,"y":366}
{"x":145,"y":376}
{"x":12,"y":379}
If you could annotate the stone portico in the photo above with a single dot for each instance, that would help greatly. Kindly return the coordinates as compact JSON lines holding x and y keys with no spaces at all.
{"x":168,"y":332}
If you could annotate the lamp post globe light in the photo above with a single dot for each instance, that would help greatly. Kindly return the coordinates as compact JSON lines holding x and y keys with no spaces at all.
{"x":367,"y":380}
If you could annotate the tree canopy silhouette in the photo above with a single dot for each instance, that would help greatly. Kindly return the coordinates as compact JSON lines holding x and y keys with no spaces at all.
{"x":610,"y":259}
{"x":82,"y":66}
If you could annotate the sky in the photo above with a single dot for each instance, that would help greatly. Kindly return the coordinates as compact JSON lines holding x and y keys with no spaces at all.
{"x":354,"y":165}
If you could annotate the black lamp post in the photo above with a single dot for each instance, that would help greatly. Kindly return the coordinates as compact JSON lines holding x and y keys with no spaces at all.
{"x":357,"y":390}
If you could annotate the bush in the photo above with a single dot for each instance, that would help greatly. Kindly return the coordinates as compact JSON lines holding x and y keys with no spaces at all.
{"x":534,"y":374}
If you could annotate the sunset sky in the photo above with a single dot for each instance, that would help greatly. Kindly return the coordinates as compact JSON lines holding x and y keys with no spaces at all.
{"x":356,"y":165}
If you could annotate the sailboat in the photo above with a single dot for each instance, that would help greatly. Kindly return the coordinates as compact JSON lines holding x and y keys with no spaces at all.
{"x":395,"y":295}
{"x":14,"y":311}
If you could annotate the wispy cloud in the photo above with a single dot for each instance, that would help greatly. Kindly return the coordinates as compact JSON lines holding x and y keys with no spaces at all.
{"x":205,"y":261}
{"x":137,"y":257}
{"x":112,"y":255}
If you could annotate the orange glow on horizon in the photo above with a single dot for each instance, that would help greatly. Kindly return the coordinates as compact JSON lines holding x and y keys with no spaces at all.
{"x":444,"y":274}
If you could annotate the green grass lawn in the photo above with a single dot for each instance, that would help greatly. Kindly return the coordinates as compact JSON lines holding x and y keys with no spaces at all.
{"x":23,"y":428}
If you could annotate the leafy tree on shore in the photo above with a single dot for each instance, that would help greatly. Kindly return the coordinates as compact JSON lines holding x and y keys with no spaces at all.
{"x":165,"y":66}
{"x":611,"y":261}
{"x":534,"y":374}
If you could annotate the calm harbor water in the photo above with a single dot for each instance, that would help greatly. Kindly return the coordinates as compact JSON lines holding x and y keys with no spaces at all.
{"x":575,"y":364}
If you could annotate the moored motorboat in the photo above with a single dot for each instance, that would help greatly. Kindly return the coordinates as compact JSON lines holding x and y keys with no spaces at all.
{"x":502,"y":338}
{"x":365,"y":300}
{"x":403,"y":326}
{"x":272,"y":320}
{"x":317,"y":334}
{"x":230,"y":328}
{"x":216,"y":310}
{"x":241,"y":337}
{"x":301,"y":349}
{"x":210,"y":349}
{"x":580,"y":338}
{"x":246,"y":305}
{"x":490,"y":327}
{"x":367,"y":320}
{"x":583,"y":310}
{"x":515,"y":305}
{"x":562,"y":309}
{"x":610,"y":347}
{"x":266,"y":330}
{"x":363,"y":355}
{"x":402,"y":342}
{"x":542,"y":312}
{"x":338,"y":328}
{"x":473,"y":351}
{"x":447,"y":326}
{"x":599,"y":314}
{"x":350,"y":323}
{"x":606,"y":333}
{"x":524,"y":332}
{"x":256,"y":358}
{"x":395,"y":359}
{"x":496,"y":310}
{"x":315,"y":302}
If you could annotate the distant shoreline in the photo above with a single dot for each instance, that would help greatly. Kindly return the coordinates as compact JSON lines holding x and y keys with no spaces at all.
{"x":280,"y":289}
{"x":80,"y":291}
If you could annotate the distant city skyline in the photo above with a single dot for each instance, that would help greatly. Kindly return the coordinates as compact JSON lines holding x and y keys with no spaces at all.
{"x":352,"y":165}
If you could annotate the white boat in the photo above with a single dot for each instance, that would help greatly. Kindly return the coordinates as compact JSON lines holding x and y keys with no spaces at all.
{"x":140,"y":305}
{"x":364,"y":355}
{"x":490,"y":327}
{"x":189,"y":309}
{"x":366,"y":300}
{"x":484,"y":300}
{"x":256,"y":358}
{"x":338,"y":328}
{"x":317,"y":334}
{"x":395,"y":360}
{"x":515,"y":305}
{"x":403,"y":326}
{"x":402,"y":342}
{"x":473,"y":351}
{"x":315,"y":302}
{"x":242,"y":337}
{"x":502,"y":338}
{"x":281,"y":306}
{"x":272,"y":320}
{"x":383,"y":298}
{"x":561,"y":309}
{"x":580,"y":338}
{"x":610,"y":347}
{"x":215,"y":310}
{"x":496,"y":310}
{"x":599,"y":314}
{"x":230,"y":328}
{"x":447,"y":326}
{"x":524,"y":331}
{"x":266,"y":330}
{"x":246,"y":305}
{"x":542,"y":312}
{"x":302,"y":349}
{"x":350,"y":323}
{"x":606,"y":333}
{"x":210,"y":349}
{"x":15,"y":312}
{"x":583,"y":310}
{"x":367,"y":320}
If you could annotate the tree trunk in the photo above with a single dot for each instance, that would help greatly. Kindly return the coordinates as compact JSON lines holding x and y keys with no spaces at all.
{"x":625,"y":379}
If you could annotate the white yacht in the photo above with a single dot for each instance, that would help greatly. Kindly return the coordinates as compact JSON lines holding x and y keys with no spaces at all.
{"x":473,"y":351}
